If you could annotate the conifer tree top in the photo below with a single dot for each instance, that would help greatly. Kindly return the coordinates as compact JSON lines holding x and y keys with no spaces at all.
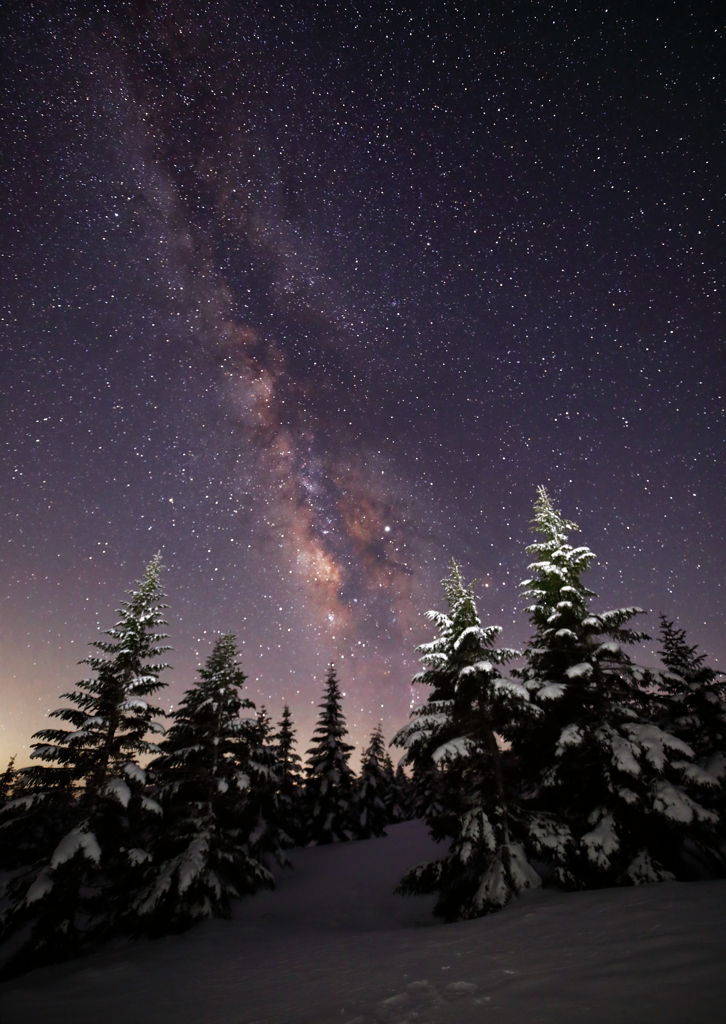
{"x":461,"y":636}
{"x":111,"y":716}
{"x":549,"y":520}
{"x":329,"y":744}
{"x":681,"y":658}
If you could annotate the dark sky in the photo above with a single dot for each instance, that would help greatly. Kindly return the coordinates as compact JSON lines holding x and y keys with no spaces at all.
{"x":311,"y":296}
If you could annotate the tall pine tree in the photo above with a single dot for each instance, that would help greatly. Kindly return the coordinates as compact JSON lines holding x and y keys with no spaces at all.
{"x":454,"y":737}
{"x":81,"y":817}
{"x":621,"y":784}
{"x":204,"y":856}
{"x":329,"y":777}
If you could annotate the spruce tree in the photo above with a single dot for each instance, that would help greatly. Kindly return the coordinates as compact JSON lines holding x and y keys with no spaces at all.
{"x":204,"y":856}
{"x":290,"y":783}
{"x":453,"y":738}
{"x":263,"y":812}
{"x":81,"y":817}
{"x":697,"y":698}
{"x":329,"y":777}
{"x":6,"y":781}
{"x":694,"y":699}
{"x":373,"y":790}
{"x":401,"y":805}
{"x":618,"y":782}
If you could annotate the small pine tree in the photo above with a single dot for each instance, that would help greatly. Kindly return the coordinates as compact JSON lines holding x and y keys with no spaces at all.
{"x":694,"y":695}
{"x":290,"y":784}
{"x":6,"y":781}
{"x":82,"y":864}
{"x":615,"y":779}
{"x":426,"y":793}
{"x":262,"y":809}
{"x":401,"y":805}
{"x":453,"y":744}
{"x":373,"y":790}
{"x":329,"y":777}
{"x":697,"y":695}
{"x":204,"y":856}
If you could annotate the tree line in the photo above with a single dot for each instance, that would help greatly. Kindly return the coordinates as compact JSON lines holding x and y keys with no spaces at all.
{"x":574,"y":767}
{"x":129,"y":828}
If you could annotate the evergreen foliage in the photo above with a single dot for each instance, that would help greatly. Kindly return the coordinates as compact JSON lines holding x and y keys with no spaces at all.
{"x":290,"y":782}
{"x":622,"y":785}
{"x":6,"y":781}
{"x":78,"y":821}
{"x":401,"y":801}
{"x":694,"y":699}
{"x":697,"y":697}
{"x":205,"y":854}
{"x":452,"y":741}
{"x":262,"y":809}
{"x":329,"y":777}
{"x":373,"y":790}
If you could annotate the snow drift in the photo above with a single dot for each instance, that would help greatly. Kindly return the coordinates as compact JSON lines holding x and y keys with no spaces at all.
{"x":333,"y":944}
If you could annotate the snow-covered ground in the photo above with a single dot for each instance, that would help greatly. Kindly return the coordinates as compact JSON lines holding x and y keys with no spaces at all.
{"x":332,"y":944}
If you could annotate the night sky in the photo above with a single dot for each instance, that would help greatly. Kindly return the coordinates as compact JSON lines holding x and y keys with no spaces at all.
{"x":311,"y":296}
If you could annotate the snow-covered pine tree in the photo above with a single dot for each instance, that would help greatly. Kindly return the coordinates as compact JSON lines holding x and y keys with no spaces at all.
{"x":262,"y":812}
{"x":83,"y":815}
{"x":290,"y":783}
{"x":373,"y":790}
{"x":204,"y":856}
{"x":329,"y":777}
{"x":694,"y":695}
{"x":470,"y":707}
{"x":621,"y":784}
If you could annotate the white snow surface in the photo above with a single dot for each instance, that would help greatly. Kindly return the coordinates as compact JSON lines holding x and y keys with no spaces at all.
{"x":333,"y":945}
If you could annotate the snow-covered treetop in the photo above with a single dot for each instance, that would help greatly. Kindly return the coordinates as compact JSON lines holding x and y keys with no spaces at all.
{"x":110,"y":717}
{"x":558,"y":565}
{"x":549,"y":521}
{"x":208,"y":730}
{"x":461,"y":639}
{"x":568,"y":637}
{"x":133,"y":638}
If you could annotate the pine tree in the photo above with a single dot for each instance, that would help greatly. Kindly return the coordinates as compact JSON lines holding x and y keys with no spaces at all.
{"x":329,"y":777}
{"x":694,"y":695}
{"x":204,"y":856}
{"x":592,"y":761}
{"x":426,"y":794}
{"x":263,"y":812}
{"x":6,"y":781}
{"x":456,"y":733}
{"x":82,"y":816}
{"x":373,"y":790}
{"x":697,"y":695}
{"x":401,"y":805}
{"x":290,"y":782}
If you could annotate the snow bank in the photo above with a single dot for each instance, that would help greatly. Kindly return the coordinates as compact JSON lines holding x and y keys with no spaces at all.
{"x":332,"y":944}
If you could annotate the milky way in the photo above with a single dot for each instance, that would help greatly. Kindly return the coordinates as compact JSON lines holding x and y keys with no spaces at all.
{"x":311,"y":300}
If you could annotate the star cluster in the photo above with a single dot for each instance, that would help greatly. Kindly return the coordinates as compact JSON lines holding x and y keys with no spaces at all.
{"x":310,"y":298}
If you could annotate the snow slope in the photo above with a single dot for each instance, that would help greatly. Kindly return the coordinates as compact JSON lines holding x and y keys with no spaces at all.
{"x":332,"y":944}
